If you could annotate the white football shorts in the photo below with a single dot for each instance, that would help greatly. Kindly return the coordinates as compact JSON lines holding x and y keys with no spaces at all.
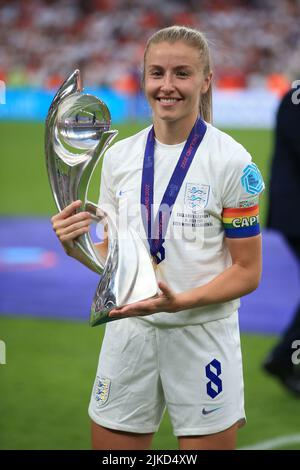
{"x":194,"y":371}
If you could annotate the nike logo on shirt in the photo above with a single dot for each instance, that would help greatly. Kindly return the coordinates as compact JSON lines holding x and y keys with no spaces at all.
{"x":123,"y":191}
{"x":207,"y":412}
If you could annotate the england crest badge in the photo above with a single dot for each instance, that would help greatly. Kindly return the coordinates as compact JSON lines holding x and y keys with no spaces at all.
{"x":101,"y":390}
{"x":196,"y":196}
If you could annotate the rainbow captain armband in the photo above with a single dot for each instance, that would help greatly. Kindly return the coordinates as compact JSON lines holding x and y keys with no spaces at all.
{"x":241,"y":222}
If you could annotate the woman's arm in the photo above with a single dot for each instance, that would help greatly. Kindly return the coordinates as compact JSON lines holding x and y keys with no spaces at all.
{"x":239,"y":279}
{"x":102,"y":249}
{"x":68,"y":225}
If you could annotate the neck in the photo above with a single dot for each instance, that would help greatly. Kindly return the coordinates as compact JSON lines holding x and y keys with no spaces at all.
{"x":173,"y":132}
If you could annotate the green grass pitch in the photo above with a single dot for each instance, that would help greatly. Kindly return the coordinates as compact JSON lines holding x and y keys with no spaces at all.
{"x":46,"y":382}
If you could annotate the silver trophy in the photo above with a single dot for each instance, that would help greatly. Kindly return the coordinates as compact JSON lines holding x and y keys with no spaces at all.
{"x":76,"y":137}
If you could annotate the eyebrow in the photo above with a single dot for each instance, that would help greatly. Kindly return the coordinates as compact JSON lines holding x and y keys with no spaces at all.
{"x":182,"y":66}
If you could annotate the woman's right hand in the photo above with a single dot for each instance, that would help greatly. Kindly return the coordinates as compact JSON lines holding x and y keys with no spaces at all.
{"x":68,"y":225}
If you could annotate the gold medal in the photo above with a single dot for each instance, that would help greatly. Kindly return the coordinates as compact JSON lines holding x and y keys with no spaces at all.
{"x":154,"y":263}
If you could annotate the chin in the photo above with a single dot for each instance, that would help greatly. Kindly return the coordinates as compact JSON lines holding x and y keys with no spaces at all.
{"x":169,"y":116}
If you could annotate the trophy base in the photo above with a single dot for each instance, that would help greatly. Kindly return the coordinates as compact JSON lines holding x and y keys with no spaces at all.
{"x":128,"y":277}
{"x":99,"y":317}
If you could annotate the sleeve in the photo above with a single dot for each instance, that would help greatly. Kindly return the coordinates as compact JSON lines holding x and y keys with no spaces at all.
{"x":243,"y":184}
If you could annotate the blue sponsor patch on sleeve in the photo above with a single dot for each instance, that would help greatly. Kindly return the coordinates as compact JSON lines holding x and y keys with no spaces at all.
{"x":251,"y":180}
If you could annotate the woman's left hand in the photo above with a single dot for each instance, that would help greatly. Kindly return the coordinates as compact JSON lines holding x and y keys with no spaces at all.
{"x":166,"y":301}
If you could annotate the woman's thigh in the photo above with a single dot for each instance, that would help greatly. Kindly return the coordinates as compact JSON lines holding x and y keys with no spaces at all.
{"x":109,"y":439}
{"x":224,"y":440}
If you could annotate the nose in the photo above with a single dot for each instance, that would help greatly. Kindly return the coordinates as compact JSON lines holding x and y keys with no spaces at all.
{"x":168,"y":83}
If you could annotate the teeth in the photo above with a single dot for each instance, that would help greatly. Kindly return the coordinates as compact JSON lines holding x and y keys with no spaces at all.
{"x":168,"y":100}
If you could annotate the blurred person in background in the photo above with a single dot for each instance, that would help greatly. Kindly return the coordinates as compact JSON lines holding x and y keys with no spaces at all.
{"x":284,"y":203}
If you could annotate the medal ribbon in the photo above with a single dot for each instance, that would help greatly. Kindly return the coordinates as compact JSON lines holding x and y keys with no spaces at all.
{"x":165,"y":209}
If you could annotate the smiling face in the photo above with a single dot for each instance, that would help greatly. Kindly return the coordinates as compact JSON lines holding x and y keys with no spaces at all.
{"x":174,"y":81}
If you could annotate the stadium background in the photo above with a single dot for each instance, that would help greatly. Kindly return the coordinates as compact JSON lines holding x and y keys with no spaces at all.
{"x":51,"y":353}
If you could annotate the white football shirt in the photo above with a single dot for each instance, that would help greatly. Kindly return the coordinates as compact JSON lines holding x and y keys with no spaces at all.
{"x":221,"y":176}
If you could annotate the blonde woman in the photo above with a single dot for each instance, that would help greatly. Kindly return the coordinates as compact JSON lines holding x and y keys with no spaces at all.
{"x":180,"y":350}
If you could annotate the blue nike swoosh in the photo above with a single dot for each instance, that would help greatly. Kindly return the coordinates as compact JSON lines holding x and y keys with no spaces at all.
{"x":207,"y":412}
{"x":124,"y":191}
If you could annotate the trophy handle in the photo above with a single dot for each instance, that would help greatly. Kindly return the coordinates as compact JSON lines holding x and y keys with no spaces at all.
{"x":84,"y":241}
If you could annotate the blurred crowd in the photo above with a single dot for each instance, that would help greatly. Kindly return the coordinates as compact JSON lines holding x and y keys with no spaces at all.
{"x":254,"y":43}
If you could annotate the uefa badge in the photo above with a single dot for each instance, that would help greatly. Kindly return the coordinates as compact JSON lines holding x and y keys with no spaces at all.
{"x":251,"y":180}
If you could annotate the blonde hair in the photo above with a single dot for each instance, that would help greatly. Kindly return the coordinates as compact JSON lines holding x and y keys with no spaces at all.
{"x":195,"y":39}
